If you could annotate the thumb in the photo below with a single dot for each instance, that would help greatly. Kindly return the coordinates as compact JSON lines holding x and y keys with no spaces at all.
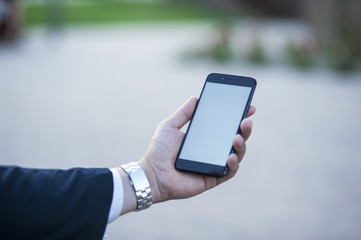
{"x":179,"y":118}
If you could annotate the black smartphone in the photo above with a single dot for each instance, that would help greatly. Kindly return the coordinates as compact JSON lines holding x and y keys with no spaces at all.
{"x":222,"y":105}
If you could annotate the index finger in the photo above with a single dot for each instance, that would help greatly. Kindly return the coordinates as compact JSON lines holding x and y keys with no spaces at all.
{"x":182,"y":115}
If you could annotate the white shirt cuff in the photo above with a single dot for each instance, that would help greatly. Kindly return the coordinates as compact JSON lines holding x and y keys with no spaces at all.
{"x":118,"y":196}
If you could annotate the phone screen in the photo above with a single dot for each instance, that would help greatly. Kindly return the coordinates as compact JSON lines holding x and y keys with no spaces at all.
{"x":215,"y":123}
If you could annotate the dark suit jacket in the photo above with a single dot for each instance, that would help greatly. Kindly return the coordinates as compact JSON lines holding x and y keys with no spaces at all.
{"x":54,"y":204}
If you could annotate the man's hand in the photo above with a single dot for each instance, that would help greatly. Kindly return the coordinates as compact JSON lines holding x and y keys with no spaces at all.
{"x":158,"y":163}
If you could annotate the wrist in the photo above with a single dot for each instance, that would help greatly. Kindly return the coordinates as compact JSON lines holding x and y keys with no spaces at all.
{"x":152,"y":178}
{"x":130,"y":200}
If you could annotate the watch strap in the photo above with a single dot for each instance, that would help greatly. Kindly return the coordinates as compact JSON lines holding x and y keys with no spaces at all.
{"x":140,"y":183}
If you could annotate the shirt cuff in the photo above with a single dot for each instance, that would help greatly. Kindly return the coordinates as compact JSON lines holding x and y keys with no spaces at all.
{"x":118,"y":196}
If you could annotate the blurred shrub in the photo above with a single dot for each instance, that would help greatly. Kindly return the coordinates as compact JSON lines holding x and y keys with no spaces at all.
{"x":257,"y":54}
{"x":301,"y":55}
{"x":217,"y":46}
{"x":343,"y":51}
{"x":221,"y":50}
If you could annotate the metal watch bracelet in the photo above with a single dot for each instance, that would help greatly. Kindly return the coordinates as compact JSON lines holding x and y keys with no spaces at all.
{"x":140,"y":183}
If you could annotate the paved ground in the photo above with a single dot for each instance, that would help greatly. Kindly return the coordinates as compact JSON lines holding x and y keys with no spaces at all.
{"x":93,"y":97}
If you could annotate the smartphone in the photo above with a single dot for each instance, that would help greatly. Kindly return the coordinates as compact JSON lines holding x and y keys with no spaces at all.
{"x":222,"y":105}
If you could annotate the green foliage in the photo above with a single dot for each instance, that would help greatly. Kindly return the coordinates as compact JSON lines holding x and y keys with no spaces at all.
{"x":93,"y":12}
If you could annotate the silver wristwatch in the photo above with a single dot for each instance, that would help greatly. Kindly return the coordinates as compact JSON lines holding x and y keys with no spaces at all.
{"x":140,"y":183}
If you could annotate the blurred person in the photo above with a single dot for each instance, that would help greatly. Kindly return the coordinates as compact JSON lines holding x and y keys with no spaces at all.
{"x":10,"y":20}
{"x":78,"y":203}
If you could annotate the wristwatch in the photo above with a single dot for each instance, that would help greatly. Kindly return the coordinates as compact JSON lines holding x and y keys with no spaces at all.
{"x":140,"y":183}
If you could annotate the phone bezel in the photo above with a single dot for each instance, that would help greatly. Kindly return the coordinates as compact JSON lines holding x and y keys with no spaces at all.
{"x":205,"y":168}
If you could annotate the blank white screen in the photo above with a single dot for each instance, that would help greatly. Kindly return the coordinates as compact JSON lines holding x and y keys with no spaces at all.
{"x":215,"y":123}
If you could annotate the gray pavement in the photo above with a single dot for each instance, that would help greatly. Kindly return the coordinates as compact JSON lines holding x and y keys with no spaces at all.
{"x":92,"y":97}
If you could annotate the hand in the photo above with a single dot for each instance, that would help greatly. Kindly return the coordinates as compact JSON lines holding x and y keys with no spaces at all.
{"x":158,"y":163}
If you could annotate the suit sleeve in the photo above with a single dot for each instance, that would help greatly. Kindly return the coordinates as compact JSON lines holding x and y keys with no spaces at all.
{"x":54,"y":204}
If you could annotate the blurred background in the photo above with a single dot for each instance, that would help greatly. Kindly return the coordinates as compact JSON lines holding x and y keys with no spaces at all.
{"x":85,"y":83}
